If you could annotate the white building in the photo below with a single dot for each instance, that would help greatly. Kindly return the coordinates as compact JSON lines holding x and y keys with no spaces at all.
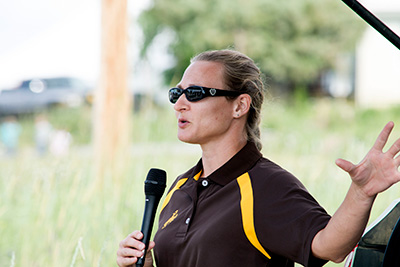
{"x":377,"y":64}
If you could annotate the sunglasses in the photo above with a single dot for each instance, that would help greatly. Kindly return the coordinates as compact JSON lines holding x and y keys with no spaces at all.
{"x":195,"y":93}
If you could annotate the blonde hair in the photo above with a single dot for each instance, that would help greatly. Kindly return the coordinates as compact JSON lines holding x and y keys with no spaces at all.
{"x":243,"y":75}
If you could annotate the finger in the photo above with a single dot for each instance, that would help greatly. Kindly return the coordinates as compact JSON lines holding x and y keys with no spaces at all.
{"x":394,"y":149}
{"x":132,"y":242}
{"x":126,"y":261}
{"x":129,"y":253}
{"x":151,"y":245}
{"x":345,"y":165}
{"x":136,"y":234}
{"x":383,"y":136}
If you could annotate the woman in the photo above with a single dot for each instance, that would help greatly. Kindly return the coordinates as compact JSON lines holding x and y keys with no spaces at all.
{"x":236,"y":208}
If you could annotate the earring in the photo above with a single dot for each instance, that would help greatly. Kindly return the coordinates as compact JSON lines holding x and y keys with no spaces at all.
{"x":237,"y":115}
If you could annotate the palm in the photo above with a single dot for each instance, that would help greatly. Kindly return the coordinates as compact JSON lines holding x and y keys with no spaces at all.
{"x":378,"y":170}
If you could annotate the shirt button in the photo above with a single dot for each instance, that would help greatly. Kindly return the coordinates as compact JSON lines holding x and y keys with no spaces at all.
{"x":187,"y":221}
{"x":204,"y":183}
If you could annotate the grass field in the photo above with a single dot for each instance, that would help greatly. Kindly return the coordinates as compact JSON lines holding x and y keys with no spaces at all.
{"x":52,"y":212}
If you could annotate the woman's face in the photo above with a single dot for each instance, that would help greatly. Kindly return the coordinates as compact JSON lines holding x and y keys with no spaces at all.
{"x":207,"y":120}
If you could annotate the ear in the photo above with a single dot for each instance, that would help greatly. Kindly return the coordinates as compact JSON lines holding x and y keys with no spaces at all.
{"x":242,"y":105}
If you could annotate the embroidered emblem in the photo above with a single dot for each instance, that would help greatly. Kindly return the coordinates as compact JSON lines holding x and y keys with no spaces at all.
{"x":170,"y":220}
{"x":213,"y":91}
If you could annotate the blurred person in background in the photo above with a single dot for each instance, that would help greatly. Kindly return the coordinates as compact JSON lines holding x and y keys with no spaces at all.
{"x":60,"y":143}
{"x":10,"y":130}
{"x":237,"y":208}
{"x":43,"y":132}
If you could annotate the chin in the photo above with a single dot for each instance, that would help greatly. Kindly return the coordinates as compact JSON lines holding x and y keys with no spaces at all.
{"x":186,"y":139}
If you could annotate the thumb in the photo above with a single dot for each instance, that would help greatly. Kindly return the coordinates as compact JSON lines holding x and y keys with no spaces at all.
{"x":149,"y":255}
{"x":345,"y":165}
{"x":151,"y":245}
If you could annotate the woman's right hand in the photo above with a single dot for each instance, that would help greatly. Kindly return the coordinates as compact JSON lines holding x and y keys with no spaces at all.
{"x":131,"y":249}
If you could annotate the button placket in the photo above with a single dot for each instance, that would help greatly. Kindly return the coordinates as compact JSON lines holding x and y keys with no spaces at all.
{"x":187,"y":212}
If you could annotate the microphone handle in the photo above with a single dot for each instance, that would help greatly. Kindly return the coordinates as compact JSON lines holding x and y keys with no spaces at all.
{"x":147,"y":224}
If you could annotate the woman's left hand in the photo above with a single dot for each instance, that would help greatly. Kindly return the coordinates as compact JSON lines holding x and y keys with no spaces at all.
{"x":374,"y":174}
{"x":378,"y":170}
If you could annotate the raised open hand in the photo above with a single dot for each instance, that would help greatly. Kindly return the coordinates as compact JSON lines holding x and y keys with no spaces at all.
{"x":378,"y":170}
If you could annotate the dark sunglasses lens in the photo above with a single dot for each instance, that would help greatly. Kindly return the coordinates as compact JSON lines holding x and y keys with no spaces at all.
{"x":174,"y":94}
{"x":194,"y":94}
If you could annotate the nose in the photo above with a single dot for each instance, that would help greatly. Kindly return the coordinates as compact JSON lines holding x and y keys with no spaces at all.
{"x":182,"y":103}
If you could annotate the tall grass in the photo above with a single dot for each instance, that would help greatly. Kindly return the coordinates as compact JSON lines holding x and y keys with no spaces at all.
{"x":51,"y":216}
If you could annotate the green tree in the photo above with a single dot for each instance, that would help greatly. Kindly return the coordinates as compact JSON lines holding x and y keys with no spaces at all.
{"x":291,"y":40}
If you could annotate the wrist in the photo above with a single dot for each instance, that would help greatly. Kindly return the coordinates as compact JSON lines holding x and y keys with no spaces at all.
{"x":360,"y":196}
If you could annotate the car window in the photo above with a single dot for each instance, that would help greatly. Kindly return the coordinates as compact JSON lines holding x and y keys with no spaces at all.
{"x":57,"y":83}
{"x":25,"y":85}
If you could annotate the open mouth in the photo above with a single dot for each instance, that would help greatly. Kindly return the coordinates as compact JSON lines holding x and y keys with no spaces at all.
{"x":182,"y":122}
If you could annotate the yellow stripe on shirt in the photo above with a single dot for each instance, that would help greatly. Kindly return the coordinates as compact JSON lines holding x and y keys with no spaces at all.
{"x":169,"y":195}
{"x":197,"y":176}
{"x":176,"y":187}
{"x":246,"y":206}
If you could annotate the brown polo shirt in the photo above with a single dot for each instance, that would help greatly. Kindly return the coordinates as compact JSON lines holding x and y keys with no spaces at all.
{"x":249,"y":212}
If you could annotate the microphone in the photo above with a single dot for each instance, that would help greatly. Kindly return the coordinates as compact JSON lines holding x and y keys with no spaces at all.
{"x":154,"y":187}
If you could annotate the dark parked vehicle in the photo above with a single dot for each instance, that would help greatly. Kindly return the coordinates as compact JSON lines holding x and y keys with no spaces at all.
{"x":39,"y":94}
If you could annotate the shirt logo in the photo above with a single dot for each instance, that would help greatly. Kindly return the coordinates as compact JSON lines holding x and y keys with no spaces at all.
{"x":170,"y":220}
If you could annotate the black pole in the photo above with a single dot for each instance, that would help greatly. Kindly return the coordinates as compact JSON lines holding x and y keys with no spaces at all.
{"x":374,"y":22}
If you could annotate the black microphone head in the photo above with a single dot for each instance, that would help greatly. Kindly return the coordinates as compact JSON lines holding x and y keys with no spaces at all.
{"x":155,"y":183}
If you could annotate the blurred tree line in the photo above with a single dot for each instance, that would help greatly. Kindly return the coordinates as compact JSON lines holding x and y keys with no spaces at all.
{"x":293,"y":41}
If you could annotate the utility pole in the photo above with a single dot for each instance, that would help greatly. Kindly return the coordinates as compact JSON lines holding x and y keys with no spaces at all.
{"x":112,"y":100}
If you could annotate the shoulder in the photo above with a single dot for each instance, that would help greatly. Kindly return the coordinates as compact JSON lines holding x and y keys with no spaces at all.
{"x":271,"y":182}
{"x":266,"y":171}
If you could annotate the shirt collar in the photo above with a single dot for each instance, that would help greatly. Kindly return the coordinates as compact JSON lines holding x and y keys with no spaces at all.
{"x":240,"y":163}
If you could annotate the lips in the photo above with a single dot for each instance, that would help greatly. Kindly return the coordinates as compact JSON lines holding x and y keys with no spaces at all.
{"x":182,"y":122}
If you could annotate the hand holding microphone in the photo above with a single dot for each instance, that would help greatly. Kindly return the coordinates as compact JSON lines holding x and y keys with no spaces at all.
{"x":134,"y":247}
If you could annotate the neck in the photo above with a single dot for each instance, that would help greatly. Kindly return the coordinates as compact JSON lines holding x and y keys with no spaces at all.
{"x":216,"y":155}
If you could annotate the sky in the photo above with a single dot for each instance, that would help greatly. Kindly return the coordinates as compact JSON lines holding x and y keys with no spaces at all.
{"x":49,"y":38}
{"x":45,"y":38}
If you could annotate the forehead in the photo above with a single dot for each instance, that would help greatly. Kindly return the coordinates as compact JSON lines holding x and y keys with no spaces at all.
{"x":204,"y":73}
